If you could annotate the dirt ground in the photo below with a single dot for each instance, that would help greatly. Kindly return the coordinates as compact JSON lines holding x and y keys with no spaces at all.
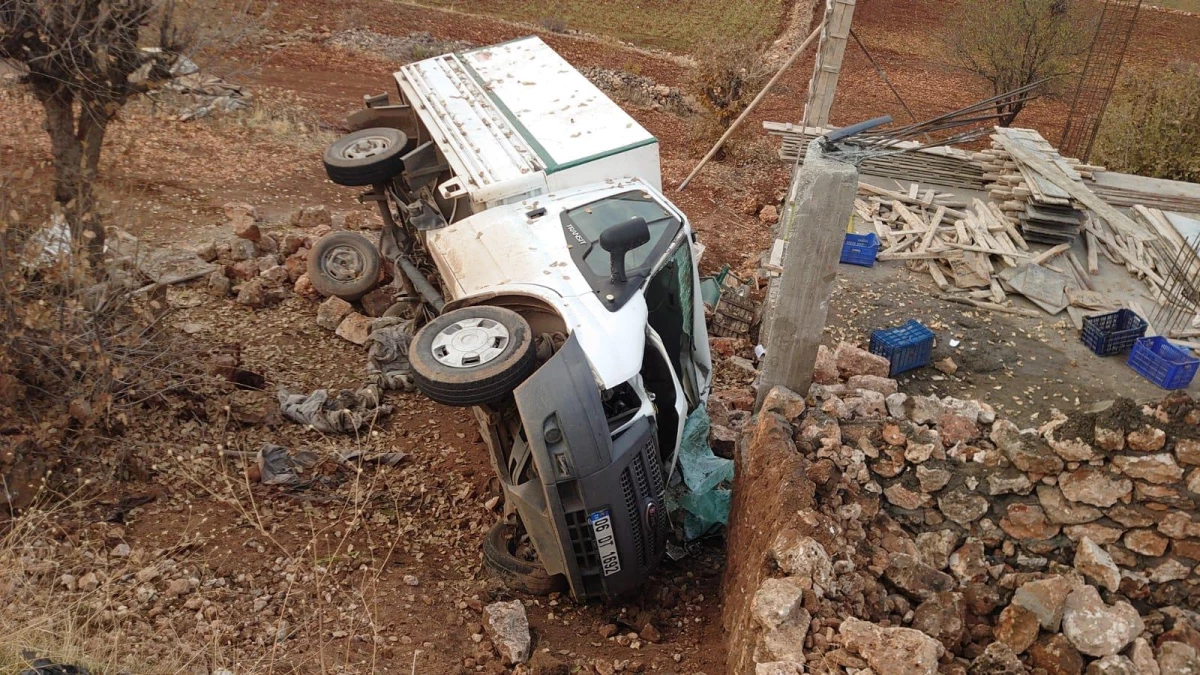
{"x":379,"y":570}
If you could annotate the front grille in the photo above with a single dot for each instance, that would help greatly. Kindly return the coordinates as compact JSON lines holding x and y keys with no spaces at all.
{"x":583,"y":542}
{"x":635,"y":516}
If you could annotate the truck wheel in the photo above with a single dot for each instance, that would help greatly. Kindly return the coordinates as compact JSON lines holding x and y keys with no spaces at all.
{"x":516,"y":564}
{"x":366,"y":157}
{"x":472,"y":356}
{"x":345,"y":264}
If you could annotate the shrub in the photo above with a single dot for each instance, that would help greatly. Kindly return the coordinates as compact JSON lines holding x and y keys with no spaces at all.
{"x":1152,"y":126}
{"x":728,"y":76}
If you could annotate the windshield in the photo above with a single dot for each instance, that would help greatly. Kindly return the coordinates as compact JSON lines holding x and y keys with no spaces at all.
{"x":585,"y":223}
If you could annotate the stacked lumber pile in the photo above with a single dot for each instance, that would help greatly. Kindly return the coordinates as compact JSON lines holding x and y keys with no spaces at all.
{"x":963,"y":247}
{"x":947,"y":167}
{"x":1046,"y":212}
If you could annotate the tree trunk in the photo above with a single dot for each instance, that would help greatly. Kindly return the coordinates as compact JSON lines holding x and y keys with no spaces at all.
{"x":75,"y":150}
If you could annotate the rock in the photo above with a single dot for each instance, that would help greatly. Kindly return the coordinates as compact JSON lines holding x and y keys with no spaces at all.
{"x":1097,"y":532}
{"x":1131,"y":516}
{"x":921,"y":446}
{"x":946,"y":365}
{"x":1186,"y":549}
{"x":955,"y":429}
{"x":266,"y":262}
{"x":1146,"y":439}
{"x":177,"y":588}
{"x":932,"y":479}
{"x":723,"y":440}
{"x":853,"y":361}
{"x":243,"y":270}
{"x":916,"y":579}
{"x":304,"y":288}
{"x":893,"y":435}
{"x":1143,"y":659}
{"x":925,"y":409}
{"x":804,"y":559}
{"x":904,"y":498}
{"x":312,"y":216}
{"x":650,"y":633}
{"x":1056,"y":656}
{"x":1095,"y":563}
{"x":378,"y":301}
{"x":934,"y":548}
{"x":1002,"y":482}
{"x":1193,"y":481}
{"x":895,"y":651}
{"x":275,"y":276}
{"x":896,"y":405}
{"x":1094,"y":486}
{"x":267,"y":243}
{"x":88,"y":582}
{"x":1112,"y":665}
{"x":1112,"y":440}
{"x":1017,"y":627}
{"x":825,"y":369}
{"x":769,"y":214}
{"x":969,"y":562}
{"x":882,"y":385}
{"x":943,"y":618}
{"x":240,"y":213}
{"x":252,"y":294}
{"x":1188,"y":451}
{"x":778,"y":668}
{"x":784,"y":402}
{"x":1097,"y":629}
{"x":997,"y":659}
{"x":1071,"y":450}
{"x":242,"y":249}
{"x":508,"y":628}
{"x":1161,"y":494}
{"x":1178,"y":658}
{"x":1063,"y":511}
{"x":249,"y":231}
{"x":1159,"y":469}
{"x":1146,"y":542}
{"x":1027,"y":521}
{"x":982,"y":599}
{"x":1046,"y":598}
{"x":355,"y":328}
{"x":296,"y":265}
{"x":219,"y":285}
{"x":962,"y":507}
{"x":361,"y":220}
{"x":331,"y":312}
{"x":778,"y":602}
{"x":1168,"y":570}
{"x":290,"y":243}
{"x":1024,"y":450}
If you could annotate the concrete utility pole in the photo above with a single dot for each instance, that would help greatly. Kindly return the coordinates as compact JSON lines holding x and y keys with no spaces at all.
{"x":813,"y":227}
{"x":839,"y":14}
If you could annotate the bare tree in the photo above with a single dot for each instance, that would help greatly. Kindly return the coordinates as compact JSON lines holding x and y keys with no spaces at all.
{"x":83,"y":60}
{"x":1015,"y":43}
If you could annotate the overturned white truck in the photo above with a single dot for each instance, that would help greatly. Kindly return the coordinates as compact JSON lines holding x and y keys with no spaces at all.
{"x":558,"y":291}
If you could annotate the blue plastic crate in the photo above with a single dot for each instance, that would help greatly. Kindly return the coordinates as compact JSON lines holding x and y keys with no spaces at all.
{"x":860,"y":249}
{"x":1113,"y":333}
{"x":1163,"y":363}
{"x":905,"y":347}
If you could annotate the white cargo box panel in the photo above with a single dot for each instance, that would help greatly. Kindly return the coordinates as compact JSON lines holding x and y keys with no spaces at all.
{"x":516,"y":120}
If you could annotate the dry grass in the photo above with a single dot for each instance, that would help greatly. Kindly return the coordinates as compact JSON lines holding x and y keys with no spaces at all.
{"x":1152,"y":126}
{"x":664,"y":24}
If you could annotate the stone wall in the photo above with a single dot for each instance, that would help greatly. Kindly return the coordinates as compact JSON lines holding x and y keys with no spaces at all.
{"x":956,"y":542}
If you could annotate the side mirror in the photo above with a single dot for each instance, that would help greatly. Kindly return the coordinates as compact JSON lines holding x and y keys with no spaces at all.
{"x":621,"y":239}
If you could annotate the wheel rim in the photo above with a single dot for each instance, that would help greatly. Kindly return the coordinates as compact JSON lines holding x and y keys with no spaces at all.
{"x":344,"y":263}
{"x":366,"y":147}
{"x":470,"y":342}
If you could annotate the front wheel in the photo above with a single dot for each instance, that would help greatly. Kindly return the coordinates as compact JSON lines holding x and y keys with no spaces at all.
{"x":472,"y":356}
{"x":510,"y":556}
{"x":366,"y":157}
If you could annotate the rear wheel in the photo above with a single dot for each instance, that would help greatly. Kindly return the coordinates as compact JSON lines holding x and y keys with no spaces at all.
{"x":472,"y":356}
{"x":366,"y":157}
{"x":508,"y":553}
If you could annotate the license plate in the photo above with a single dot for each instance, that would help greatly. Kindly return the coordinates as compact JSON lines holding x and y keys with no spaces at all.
{"x":606,"y":543}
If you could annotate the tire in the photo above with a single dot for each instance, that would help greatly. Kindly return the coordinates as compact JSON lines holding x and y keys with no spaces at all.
{"x":345,"y":264}
{"x":366,"y":157}
{"x":465,"y":371}
{"x":514,"y":571}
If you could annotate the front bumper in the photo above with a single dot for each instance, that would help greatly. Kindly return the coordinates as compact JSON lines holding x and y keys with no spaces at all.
{"x":582,"y":470}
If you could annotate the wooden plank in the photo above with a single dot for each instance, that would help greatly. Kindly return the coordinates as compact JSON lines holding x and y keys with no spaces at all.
{"x":1093,"y":252}
{"x":935,"y":270}
{"x":921,"y":255}
{"x":1043,"y":257}
{"x":997,"y":292}
{"x":983,"y":249}
{"x":991,"y":306}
